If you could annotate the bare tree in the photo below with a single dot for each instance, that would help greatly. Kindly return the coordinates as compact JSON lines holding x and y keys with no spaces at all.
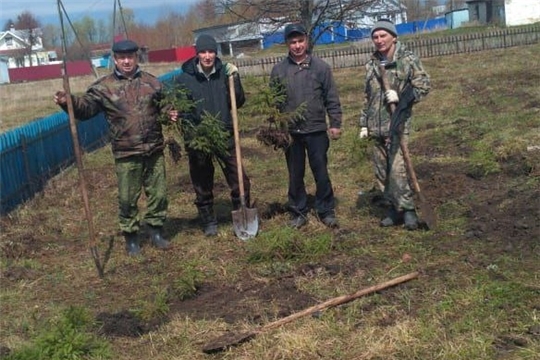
{"x":8,"y":25}
{"x":419,"y":10}
{"x":313,"y":14}
{"x":27,"y":22}
{"x":52,"y":36}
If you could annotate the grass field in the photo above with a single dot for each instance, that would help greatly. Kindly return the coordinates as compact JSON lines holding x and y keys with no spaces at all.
{"x":475,"y":149}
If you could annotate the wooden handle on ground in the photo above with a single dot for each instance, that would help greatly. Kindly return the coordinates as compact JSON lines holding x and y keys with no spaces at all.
{"x":339,"y":300}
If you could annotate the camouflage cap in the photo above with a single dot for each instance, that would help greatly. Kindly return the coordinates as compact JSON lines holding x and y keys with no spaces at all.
{"x":125,"y":46}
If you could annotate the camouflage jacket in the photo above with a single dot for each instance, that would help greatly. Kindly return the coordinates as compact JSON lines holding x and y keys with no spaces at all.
{"x":130,"y":106}
{"x":407,"y":68}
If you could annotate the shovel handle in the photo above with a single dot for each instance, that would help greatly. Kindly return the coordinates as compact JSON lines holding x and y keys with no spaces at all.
{"x":402,"y":144}
{"x":234,"y":113}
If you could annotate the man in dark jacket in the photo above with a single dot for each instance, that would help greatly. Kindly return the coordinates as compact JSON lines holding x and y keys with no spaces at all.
{"x":128,"y":97}
{"x":306,"y":80}
{"x":205,"y":77}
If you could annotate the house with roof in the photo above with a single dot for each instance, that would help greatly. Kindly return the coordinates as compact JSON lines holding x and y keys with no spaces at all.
{"x":504,"y":12}
{"x":235,"y":38}
{"x":23,"y":48}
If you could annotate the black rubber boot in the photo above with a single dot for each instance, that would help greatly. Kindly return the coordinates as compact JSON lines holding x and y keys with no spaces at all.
{"x":410,"y":219}
{"x":298,"y":221}
{"x":393,"y":218}
{"x":132,"y":243}
{"x":157,"y":239}
{"x":208,"y":220}
{"x":330,"y":220}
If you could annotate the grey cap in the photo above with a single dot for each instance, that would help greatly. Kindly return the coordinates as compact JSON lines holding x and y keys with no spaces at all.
{"x":125,"y":46}
{"x":385,"y":24}
{"x":206,"y":42}
{"x":294,"y":28}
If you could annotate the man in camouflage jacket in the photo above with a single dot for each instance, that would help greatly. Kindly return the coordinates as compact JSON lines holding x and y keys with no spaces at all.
{"x":403,"y":68}
{"x":129,"y":98}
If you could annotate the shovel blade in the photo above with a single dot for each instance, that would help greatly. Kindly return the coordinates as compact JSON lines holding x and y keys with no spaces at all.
{"x":427,"y":215}
{"x":245,"y":223}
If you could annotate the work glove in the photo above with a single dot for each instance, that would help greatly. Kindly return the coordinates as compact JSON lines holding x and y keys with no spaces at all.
{"x":363,"y":132}
{"x":230,"y":69}
{"x":391,"y":96}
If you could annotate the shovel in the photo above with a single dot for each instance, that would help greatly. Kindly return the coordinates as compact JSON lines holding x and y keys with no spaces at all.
{"x":245,"y":220}
{"x":427,"y":214}
{"x":231,"y":339}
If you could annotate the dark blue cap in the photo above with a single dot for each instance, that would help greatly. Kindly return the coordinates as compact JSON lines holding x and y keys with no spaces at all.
{"x":294,"y":28}
{"x":125,"y":46}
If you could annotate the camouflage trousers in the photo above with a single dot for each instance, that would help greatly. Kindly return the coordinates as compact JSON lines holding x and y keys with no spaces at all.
{"x":137,"y":173}
{"x":391,"y":173}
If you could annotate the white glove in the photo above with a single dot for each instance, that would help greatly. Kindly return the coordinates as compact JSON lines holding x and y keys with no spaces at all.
{"x":391,"y":96}
{"x":230,"y":69}
{"x":363,"y":132}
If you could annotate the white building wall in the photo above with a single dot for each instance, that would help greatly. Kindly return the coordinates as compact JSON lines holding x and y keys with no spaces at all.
{"x":521,"y":12}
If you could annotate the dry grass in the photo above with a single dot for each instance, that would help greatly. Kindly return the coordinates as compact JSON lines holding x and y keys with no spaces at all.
{"x":25,"y":102}
{"x":476,"y":298}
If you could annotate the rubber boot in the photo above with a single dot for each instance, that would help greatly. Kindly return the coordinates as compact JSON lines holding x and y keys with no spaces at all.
{"x":410,"y":220}
{"x":208,"y":220}
{"x":157,"y":239}
{"x":330,"y":220}
{"x":298,"y":220}
{"x":132,"y":243}
{"x":393,"y":218}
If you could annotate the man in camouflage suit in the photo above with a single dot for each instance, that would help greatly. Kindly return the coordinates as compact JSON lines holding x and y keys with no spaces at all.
{"x":402,"y":68}
{"x":128,"y":97}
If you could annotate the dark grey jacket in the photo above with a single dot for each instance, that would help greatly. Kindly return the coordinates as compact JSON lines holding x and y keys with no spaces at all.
{"x":310,"y":83}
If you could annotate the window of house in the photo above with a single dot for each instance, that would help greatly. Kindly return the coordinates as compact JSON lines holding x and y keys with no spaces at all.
{"x":9,"y":41}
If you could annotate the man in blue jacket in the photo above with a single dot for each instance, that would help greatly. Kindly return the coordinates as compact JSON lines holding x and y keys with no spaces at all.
{"x":306,"y":80}
{"x":205,"y":77}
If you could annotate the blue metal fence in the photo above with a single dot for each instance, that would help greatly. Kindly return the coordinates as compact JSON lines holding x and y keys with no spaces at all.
{"x":31,"y":154}
{"x":338,"y":33}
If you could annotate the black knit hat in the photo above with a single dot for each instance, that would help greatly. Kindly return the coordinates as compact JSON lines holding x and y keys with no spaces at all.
{"x":385,"y":24}
{"x":206,"y":42}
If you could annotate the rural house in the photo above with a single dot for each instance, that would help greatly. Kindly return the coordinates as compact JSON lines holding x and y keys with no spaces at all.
{"x":24,"y":48}
{"x":504,"y":12}
{"x":233,"y":39}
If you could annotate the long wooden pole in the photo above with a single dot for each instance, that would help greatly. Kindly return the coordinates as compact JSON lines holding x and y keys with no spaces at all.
{"x":77,"y":150}
{"x":229,"y":340}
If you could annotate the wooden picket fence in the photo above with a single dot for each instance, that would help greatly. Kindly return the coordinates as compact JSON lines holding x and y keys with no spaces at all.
{"x":359,"y":53}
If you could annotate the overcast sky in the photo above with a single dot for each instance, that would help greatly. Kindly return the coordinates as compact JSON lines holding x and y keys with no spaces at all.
{"x":46,"y":11}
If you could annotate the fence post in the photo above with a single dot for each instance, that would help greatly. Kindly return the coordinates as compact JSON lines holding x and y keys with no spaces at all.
{"x":28,"y":185}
